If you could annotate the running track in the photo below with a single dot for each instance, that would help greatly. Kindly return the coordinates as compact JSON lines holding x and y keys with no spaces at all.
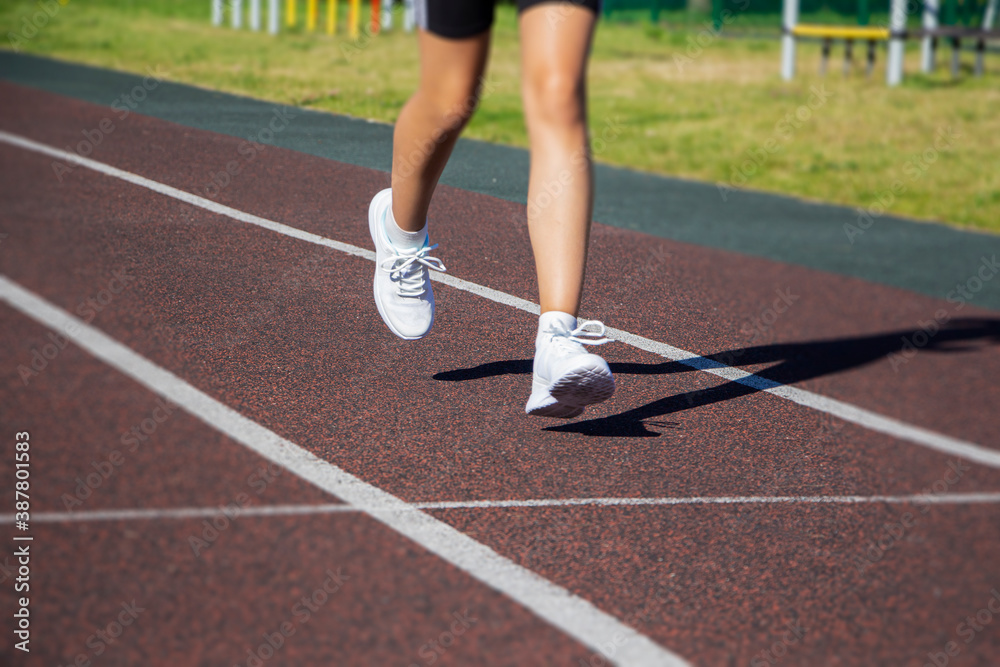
{"x":698,"y":517}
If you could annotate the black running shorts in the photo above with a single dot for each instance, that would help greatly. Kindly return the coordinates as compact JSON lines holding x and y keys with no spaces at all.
{"x":457,"y":19}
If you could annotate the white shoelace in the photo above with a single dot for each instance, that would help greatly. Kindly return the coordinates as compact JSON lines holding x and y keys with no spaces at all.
{"x":405,"y":270}
{"x":581,"y":334}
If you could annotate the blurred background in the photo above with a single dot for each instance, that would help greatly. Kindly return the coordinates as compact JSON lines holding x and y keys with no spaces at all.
{"x":688,"y":88}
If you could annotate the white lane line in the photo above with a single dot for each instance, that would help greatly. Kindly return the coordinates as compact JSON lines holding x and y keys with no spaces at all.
{"x":936,"y":499}
{"x":574,"y":615}
{"x":182,"y":513}
{"x":873,"y":421}
{"x":850,"y":413}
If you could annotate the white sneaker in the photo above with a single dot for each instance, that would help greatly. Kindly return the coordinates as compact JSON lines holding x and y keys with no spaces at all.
{"x":566,"y":377}
{"x":402,"y":285}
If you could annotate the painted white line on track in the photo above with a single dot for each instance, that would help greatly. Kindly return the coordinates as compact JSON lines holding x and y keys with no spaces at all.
{"x":873,"y":421}
{"x":182,"y":513}
{"x":574,"y":615}
{"x":931,"y":498}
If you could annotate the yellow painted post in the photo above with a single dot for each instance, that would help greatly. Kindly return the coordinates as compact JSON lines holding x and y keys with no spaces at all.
{"x":331,"y":16}
{"x":290,"y":18}
{"x":354,"y":22}
{"x":312,"y":12}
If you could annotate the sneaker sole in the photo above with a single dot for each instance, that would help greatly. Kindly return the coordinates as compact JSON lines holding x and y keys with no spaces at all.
{"x":376,"y":200}
{"x":582,"y":387}
{"x":555,"y":409}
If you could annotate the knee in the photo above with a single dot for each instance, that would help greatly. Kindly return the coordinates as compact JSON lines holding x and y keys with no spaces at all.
{"x":555,"y":99}
{"x":453,"y":102}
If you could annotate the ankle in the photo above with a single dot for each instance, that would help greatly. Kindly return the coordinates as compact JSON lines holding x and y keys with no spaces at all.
{"x":401,"y":238}
{"x":556,"y":318}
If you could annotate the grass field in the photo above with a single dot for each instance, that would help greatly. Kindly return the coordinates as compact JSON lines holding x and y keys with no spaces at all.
{"x":716,"y":112}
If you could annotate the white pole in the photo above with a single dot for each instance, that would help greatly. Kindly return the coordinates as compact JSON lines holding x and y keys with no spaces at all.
{"x":387,"y":15}
{"x":897,"y":23}
{"x":237,"y":13}
{"x":409,"y":19}
{"x":273,"y":16}
{"x":216,"y":12}
{"x":789,"y":19}
{"x":990,"y":15}
{"x":255,"y":14}
{"x":931,"y":9}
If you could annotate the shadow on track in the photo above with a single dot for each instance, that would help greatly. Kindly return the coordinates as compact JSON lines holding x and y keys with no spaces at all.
{"x":793,"y":362}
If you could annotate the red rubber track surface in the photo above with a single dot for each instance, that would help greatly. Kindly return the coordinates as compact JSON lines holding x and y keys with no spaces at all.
{"x":286,"y":333}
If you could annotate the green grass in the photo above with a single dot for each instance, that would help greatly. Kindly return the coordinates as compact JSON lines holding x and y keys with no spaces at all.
{"x":699,"y":118}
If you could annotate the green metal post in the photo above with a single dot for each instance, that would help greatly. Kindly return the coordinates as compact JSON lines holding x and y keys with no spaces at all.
{"x":951,"y":12}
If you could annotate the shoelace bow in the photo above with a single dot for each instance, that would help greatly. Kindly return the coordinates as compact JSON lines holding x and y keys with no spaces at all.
{"x":581,"y":334}
{"x":404,"y":270}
